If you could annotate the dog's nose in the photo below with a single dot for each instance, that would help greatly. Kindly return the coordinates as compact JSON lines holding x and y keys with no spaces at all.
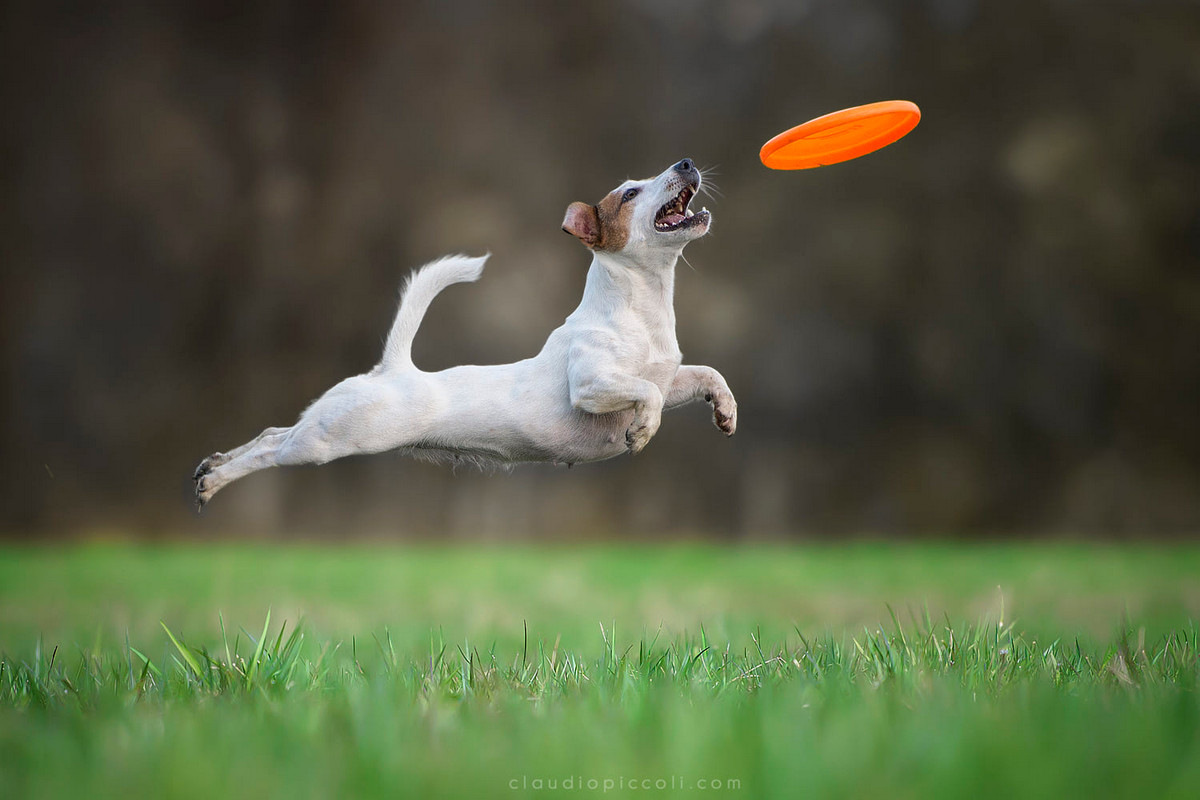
{"x":685,"y":166}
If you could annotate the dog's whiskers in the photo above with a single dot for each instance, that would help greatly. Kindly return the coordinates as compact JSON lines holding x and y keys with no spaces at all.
{"x":708,"y":186}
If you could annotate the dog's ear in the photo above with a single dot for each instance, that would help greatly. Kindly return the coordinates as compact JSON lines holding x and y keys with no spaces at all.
{"x":583,"y":222}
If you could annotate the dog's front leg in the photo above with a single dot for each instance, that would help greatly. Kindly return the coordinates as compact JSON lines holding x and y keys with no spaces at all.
{"x":692,"y":383}
{"x":598,"y":387}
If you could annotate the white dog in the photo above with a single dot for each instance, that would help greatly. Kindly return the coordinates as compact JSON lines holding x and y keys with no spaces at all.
{"x":597,"y":388}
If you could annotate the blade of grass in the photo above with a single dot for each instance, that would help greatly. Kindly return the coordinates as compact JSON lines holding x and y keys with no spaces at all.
{"x":183,"y":651}
{"x":256,"y":661}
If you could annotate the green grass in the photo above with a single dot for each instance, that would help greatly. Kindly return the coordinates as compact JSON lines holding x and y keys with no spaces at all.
{"x":815,"y":671}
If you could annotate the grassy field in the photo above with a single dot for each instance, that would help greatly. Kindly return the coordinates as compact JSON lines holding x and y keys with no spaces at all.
{"x":687,"y":670}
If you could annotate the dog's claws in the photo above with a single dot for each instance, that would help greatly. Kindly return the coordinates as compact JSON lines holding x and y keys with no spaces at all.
{"x":199,"y":488}
{"x":642,"y":429}
{"x":635,"y":441}
{"x":202,"y":470}
{"x":206,"y":466}
{"x":727,"y":425}
{"x":725,"y":414}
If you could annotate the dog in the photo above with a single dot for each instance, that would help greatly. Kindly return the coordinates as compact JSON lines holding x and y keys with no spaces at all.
{"x":596,"y":390}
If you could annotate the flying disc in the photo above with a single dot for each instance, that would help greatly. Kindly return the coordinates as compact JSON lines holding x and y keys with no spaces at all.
{"x":841,"y":136}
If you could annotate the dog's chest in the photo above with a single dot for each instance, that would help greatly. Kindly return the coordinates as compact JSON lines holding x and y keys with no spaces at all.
{"x":661,"y":355}
{"x":660,"y":373}
{"x":662,"y":359}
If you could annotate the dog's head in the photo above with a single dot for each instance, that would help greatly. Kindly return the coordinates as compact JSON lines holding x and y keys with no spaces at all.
{"x":639,"y":216}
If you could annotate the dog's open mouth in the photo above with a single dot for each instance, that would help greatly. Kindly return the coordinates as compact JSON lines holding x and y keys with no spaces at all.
{"x":676,"y":214}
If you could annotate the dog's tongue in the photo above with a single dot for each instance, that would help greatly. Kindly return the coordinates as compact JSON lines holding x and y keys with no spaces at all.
{"x":673,"y":218}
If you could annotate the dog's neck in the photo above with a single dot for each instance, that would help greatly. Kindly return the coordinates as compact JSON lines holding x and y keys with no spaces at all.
{"x":645,"y":288}
{"x":637,"y":283}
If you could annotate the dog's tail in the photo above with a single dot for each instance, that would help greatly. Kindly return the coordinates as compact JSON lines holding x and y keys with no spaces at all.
{"x":420,"y":289}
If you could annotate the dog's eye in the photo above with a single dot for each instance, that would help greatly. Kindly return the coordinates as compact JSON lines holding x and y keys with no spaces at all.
{"x":629,"y":195}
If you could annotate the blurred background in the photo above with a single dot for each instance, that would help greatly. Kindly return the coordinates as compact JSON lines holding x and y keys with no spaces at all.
{"x":990,"y":328}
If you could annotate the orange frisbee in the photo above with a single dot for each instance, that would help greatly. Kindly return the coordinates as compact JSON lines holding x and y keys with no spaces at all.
{"x":841,"y":136}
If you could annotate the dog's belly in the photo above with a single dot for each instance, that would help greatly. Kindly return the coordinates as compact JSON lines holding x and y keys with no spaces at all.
{"x":572,"y":437}
{"x":518,"y":413}
{"x":594,"y":437}
{"x":545,"y":428}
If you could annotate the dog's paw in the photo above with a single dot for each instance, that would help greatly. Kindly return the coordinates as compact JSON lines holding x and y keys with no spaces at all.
{"x":636,"y":439}
{"x":641,"y":431}
{"x":205,"y":483}
{"x":209,"y":464}
{"x":203,"y":493}
{"x":724,"y":412}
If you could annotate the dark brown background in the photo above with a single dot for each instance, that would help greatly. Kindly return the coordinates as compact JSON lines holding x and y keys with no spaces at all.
{"x":990,"y":328}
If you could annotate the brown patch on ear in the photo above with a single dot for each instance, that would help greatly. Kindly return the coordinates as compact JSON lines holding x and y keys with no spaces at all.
{"x":600,"y":227}
{"x":583,"y":222}
{"x":615,"y":220}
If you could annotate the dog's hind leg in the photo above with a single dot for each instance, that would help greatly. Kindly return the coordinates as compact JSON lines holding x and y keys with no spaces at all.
{"x":360,"y":415}
{"x":217,"y":459}
{"x":220,"y":469}
{"x":306,"y":442}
